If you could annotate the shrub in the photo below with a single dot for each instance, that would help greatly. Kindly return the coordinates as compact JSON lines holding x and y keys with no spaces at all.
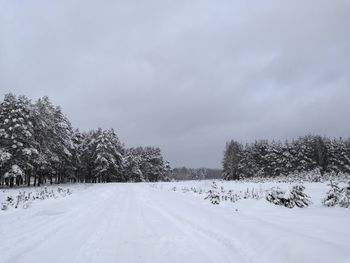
{"x":337,"y":196}
{"x":295,"y":197}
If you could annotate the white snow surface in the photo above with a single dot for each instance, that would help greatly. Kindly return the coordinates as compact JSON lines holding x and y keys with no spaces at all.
{"x":151,"y":223}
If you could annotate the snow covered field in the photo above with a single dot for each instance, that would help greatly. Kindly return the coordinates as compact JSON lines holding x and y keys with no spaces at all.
{"x":152,"y":223}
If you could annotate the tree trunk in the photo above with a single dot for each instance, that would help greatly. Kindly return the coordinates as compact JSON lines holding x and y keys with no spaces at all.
{"x":11,"y":182}
{"x":28,"y":179}
{"x":39,"y":180}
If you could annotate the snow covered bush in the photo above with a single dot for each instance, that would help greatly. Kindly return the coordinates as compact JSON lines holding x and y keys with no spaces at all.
{"x":4,"y":156}
{"x":213,"y":197}
{"x":299,"y":197}
{"x":26,"y":198}
{"x":278,"y":197}
{"x":218,"y":194}
{"x":333,"y":195}
{"x":295,"y":197}
{"x":252,"y":194}
{"x":213,"y":194}
{"x":338,"y":196}
{"x":344,"y":200}
{"x":232,"y":197}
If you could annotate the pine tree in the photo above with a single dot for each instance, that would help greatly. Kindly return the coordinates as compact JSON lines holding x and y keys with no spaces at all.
{"x":320,"y":153}
{"x":38,"y":140}
{"x":299,"y":197}
{"x":76,"y":151}
{"x":285,"y":161}
{"x":232,"y":157}
{"x":4,"y":158}
{"x":132,"y":166}
{"x":338,"y":196}
{"x":312,"y":154}
{"x":87,"y":155}
{"x":16,"y":137}
{"x":247,"y":166}
{"x":213,"y":194}
{"x":53,"y":134}
{"x":274,"y":159}
{"x":108,"y":157}
{"x":295,"y":197}
{"x":304,"y":148}
{"x":337,"y":156}
{"x":153,"y":165}
{"x":333,"y":195}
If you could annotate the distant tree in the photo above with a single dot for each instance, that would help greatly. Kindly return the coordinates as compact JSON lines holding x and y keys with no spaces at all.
{"x":320,"y":153}
{"x":232,"y":158}
{"x":87,"y":155}
{"x":310,"y":153}
{"x":153,"y":165}
{"x":183,"y":173}
{"x":305,"y":150}
{"x":76,"y":159}
{"x":337,"y":156}
{"x":261,"y":157}
{"x":133,"y":160}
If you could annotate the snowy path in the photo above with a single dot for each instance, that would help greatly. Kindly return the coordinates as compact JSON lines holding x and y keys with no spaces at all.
{"x":138,"y":223}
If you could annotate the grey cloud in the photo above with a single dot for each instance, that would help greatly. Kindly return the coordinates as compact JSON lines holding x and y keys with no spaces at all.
{"x":184,"y":75}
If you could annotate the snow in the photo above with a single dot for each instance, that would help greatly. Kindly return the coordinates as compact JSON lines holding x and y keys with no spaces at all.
{"x":14,"y":172}
{"x":4,"y":156}
{"x":152,"y":223}
{"x":27,"y":151}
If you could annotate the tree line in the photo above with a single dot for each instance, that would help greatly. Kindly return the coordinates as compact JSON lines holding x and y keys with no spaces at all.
{"x":39,"y":145}
{"x":271,"y":159}
{"x":184,"y":173}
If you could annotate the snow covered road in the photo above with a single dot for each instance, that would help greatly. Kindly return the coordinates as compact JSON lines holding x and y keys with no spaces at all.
{"x":140,"y":223}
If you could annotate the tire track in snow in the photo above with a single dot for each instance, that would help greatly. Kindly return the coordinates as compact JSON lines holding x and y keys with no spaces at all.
{"x":234,"y":247}
{"x":66,"y":231}
{"x":289,"y":244}
{"x":108,"y":222}
{"x":194,"y":242}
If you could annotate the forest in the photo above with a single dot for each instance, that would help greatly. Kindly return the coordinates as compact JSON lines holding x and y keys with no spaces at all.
{"x":39,"y":145}
{"x":184,"y":173}
{"x":272,"y":159}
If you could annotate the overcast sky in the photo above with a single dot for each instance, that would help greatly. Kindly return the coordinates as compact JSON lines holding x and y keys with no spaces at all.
{"x":184,"y":75}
